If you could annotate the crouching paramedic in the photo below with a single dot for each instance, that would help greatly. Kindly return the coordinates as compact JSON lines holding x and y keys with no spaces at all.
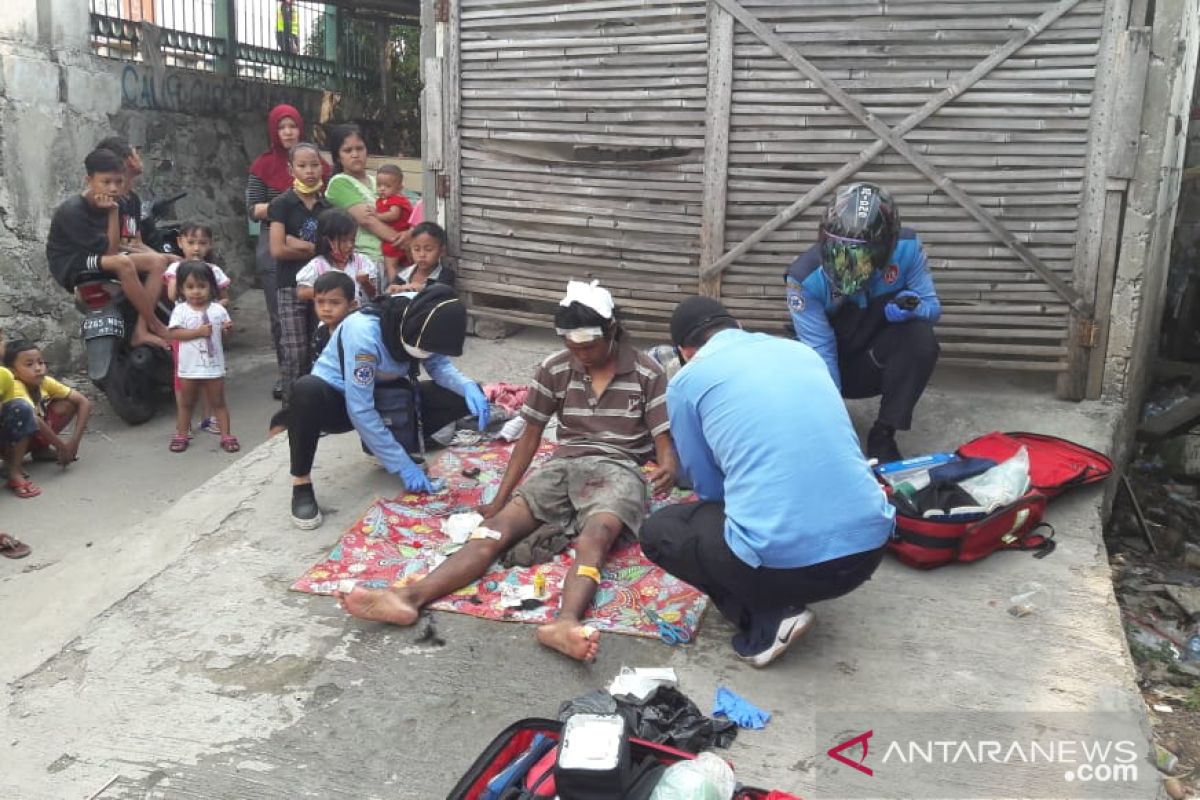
{"x":785,"y":518}
{"x":863,"y":298}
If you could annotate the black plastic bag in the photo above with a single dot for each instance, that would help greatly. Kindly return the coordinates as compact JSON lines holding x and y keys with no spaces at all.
{"x":669,"y":717}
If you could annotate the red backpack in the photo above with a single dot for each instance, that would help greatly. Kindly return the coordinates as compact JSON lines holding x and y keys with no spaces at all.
{"x":1055,"y":465}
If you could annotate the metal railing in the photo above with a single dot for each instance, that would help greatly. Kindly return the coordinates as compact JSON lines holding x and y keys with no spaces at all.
{"x":295,"y":42}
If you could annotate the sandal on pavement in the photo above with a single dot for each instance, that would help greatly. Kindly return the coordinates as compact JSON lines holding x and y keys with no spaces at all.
{"x":23,"y":489}
{"x":12,"y":548}
{"x":179,"y":443}
{"x":230,"y":444}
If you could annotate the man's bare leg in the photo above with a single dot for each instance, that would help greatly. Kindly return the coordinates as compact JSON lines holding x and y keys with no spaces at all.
{"x":403,"y":606}
{"x":148,"y":330}
{"x":567,"y":634}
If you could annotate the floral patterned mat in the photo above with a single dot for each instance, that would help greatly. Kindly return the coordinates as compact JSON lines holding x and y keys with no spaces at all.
{"x":397,"y":541}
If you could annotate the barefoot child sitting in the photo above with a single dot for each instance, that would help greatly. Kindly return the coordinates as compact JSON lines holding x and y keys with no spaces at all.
{"x":198,"y":324}
{"x":53,"y":406}
{"x":336,"y":232}
{"x":611,"y":404}
{"x":428,"y":245}
{"x":85,"y":240}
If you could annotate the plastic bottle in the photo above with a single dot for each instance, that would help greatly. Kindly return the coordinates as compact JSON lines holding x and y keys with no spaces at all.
{"x":706,"y":777}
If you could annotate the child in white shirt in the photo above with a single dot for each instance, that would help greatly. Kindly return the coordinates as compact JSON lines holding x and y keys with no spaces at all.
{"x":336,"y":230}
{"x":198,"y":324}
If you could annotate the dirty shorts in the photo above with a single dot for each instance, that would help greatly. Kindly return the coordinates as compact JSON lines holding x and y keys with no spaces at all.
{"x":17,"y":422}
{"x":567,"y":491}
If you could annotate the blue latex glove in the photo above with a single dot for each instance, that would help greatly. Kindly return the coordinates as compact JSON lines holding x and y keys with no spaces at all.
{"x":895,"y":313}
{"x":740,"y":711}
{"x":478,"y":404}
{"x":415,"y":479}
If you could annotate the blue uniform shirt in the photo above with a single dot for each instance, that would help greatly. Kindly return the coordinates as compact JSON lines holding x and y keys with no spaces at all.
{"x":812,"y":300}
{"x":365,"y":359}
{"x":758,"y":424}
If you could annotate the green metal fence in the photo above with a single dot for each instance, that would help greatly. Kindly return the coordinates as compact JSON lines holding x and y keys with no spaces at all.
{"x":295,"y":42}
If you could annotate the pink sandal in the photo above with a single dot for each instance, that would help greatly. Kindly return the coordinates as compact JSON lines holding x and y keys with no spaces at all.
{"x":23,"y":489}
{"x":230,"y":444}
{"x":179,"y":443}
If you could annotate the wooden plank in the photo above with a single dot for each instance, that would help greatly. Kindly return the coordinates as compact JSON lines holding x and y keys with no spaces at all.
{"x":893,"y":138}
{"x":429,"y":126}
{"x":453,"y":111}
{"x":432,"y":106}
{"x":1133,"y":64}
{"x":910,"y":122}
{"x":1072,"y":384}
{"x":716,"y":146}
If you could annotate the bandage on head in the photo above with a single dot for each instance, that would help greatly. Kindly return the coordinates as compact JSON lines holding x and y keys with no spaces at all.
{"x":580,"y":335}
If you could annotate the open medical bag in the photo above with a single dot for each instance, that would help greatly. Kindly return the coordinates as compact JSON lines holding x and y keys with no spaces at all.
{"x":519,"y":763}
{"x":1055,"y":465}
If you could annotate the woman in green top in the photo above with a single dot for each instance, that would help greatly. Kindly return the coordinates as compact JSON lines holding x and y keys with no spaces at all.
{"x":353,"y":189}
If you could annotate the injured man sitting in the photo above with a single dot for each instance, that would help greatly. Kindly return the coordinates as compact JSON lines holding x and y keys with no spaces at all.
{"x":610,"y":399}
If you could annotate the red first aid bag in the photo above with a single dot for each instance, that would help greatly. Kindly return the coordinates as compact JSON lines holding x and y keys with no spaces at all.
{"x":1055,"y":465}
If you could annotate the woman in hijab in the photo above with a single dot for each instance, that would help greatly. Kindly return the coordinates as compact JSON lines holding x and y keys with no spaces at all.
{"x":353,"y":188}
{"x":270,"y":177}
{"x":372,"y":350}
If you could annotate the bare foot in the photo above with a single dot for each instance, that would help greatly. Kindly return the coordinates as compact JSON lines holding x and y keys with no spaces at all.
{"x":570,"y":638}
{"x":379,"y":605}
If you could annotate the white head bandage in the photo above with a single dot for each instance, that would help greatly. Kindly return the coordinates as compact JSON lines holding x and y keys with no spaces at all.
{"x":580,"y":335}
{"x":590,"y":295}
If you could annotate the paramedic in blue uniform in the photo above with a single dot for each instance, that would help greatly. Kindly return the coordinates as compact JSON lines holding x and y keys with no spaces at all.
{"x":339,"y":394}
{"x":863,"y":298}
{"x":787,"y":517}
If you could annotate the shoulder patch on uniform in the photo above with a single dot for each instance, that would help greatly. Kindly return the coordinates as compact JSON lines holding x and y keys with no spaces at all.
{"x":364,"y":374}
{"x":364,"y":357}
{"x":795,"y":301}
{"x":890,"y":273}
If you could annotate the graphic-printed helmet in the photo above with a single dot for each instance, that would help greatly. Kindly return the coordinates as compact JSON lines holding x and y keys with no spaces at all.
{"x":857,"y":234}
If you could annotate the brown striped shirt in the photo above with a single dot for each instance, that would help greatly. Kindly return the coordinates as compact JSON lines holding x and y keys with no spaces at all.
{"x":622,"y":422}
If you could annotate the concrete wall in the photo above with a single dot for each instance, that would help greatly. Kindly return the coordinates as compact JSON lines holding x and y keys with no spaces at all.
{"x":1139,"y":290}
{"x":57,"y":101}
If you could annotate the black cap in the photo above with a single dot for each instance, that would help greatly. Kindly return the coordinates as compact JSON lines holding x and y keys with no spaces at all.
{"x":694,"y":314}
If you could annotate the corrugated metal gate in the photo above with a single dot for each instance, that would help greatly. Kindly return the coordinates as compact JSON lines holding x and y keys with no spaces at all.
{"x":671,"y":147}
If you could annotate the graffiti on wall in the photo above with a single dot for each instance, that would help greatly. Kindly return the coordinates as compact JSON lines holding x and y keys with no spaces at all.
{"x":188,"y":92}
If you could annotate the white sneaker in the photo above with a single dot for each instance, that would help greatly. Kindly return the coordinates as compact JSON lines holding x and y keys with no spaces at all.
{"x":790,"y":629}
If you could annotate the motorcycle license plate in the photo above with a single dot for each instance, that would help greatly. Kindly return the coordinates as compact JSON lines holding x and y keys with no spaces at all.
{"x":97,"y":325}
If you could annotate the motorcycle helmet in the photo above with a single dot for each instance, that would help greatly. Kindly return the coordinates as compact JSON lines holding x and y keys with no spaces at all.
{"x":857,"y":234}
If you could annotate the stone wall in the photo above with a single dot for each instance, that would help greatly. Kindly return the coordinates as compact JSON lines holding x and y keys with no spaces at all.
{"x":198,"y":132}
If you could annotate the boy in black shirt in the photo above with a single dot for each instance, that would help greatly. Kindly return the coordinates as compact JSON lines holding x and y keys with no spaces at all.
{"x":85,"y":240}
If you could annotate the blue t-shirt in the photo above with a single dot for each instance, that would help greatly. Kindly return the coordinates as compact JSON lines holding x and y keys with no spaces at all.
{"x":812,"y":299}
{"x":758,"y":423}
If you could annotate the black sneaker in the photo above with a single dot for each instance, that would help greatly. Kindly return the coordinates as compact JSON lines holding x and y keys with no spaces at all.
{"x":306,"y":515}
{"x":277,"y":390}
{"x":881,"y":444}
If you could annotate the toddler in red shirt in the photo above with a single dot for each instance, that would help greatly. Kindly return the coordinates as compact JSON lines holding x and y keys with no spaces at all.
{"x":395,"y":209}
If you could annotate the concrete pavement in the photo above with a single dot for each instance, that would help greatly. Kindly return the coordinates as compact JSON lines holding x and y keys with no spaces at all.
{"x":192,"y":672}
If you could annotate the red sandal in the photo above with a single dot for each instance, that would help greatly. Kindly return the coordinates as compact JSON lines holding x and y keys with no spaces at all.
{"x":179,"y":443}
{"x":23,"y":489}
{"x":11,"y":547}
{"x":230,"y":444}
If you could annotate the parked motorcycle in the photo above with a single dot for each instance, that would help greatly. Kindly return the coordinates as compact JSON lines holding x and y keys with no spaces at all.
{"x":133,"y":378}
